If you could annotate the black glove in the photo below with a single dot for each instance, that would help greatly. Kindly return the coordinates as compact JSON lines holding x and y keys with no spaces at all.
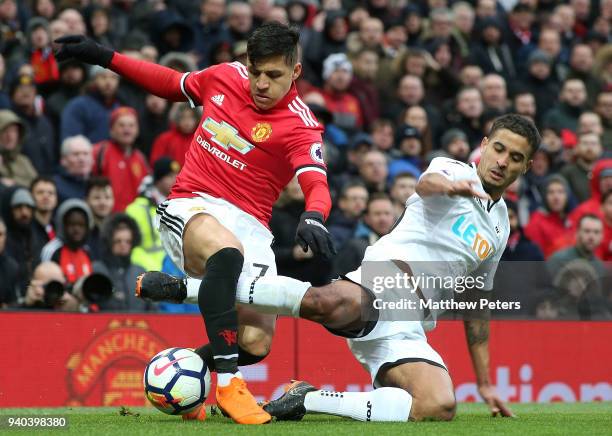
{"x":83,"y":49}
{"x":312,"y":233}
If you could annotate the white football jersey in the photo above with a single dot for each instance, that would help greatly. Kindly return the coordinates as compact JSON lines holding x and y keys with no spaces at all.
{"x":456,"y":235}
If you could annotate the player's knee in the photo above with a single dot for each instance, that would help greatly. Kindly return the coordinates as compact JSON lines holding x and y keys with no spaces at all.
{"x":256,"y":344}
{"x":439,"y":407}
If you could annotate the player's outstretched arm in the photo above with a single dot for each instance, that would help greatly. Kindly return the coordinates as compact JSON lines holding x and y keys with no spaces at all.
{"x":436,"y":184}
{"x":477,"y":335}
{"x":161,"y":81}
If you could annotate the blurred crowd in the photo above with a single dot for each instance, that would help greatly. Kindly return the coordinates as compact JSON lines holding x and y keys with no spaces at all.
{"x":85,"y":156}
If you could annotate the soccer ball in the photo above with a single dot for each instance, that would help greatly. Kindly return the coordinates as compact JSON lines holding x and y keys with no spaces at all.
{"x":176,"y":381}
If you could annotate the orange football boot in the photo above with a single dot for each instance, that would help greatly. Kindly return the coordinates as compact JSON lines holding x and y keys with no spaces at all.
{"x":238,"y":403}
{"x":199,"y":414}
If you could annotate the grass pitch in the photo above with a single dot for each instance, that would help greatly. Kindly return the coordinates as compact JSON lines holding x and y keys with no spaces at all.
{"x":472,"y":419}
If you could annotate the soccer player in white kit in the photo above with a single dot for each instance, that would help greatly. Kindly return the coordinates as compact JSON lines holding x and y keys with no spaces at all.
{"x":456,"y":218}
{"x":456,"y":221}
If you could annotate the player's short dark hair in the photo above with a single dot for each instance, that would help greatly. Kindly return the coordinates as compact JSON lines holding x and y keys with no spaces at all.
{"x":591,"y":216}
{"x":520,"y":125}
{"x":273,"y":39}
{"x":96,"y":182}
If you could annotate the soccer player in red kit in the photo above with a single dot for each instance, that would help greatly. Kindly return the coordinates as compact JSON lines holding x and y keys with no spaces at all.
{"x":255,"y":135}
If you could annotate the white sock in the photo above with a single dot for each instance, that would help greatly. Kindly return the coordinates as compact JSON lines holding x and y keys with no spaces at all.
{"x":383,"y":404}
{"x":193,"y":289}
{"x":272,"y":294}
{"x":224,"y":378}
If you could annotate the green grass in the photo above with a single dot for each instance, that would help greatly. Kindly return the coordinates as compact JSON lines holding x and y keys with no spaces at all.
{"x":472,"y":419}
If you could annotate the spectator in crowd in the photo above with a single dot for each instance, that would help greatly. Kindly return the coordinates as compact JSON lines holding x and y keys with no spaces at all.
{"x":467,"y":115}
{"x":601,"y":182}
{"x":603,"y":107}
{"x":21,"y":243}
{"x":495,"y":93}
{"x":149,"y":253}
{"x":69,"y":249}
{"x":549,"y":41}
{"x":538,"y":80}
{"x":402,"y":187}
{"x":155,"y":117}
{"x":291,"y":259}
{"x":337,"y":76}
{"x":209,"y":29}
{"x":548,"y":226}
{"x":581,"y":67}
{"x":383,"y":137}
{"x":455,"y":143}
{"x":42,"y":59}
{"x":72,"y":76}
{"x":239,"y":21}
{"x":571,"y":104}
{"x":44,"y":193}
{"x":5,"y":102}
{"x":491,"y":52}
{"x":9,"y":271}
{"x":363,"y":84}
{"x":373,"y":170}
{"x":577,"y":273}
{"x":169,"y":32}
{"x":604,"y":251}
{"x":119,"y":159}
{"x":120,"y":235}
{"x":74,"y":21}
{"x":577,"y":174}
{"x":417,"y":117}
{"x":175,"y":142}
{"x":38,"y":144}
{"x":589,"y":234}
{"x":89,"y":114}
{"x":101,"y":201}
{"x":377,"y":222}
{"x":76,"y":163}
{"x":332,"y":39}
{"x":15,"y":167}
{"x":590,"y":122}
{"x":47,"y":290}
{"x":352,"y":202}
{"x":524,"y":103}
{"x":519,"y":247}
{"x":410,"y":147}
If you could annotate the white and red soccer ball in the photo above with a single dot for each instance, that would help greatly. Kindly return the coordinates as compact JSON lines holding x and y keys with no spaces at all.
{"x":176,"y":381}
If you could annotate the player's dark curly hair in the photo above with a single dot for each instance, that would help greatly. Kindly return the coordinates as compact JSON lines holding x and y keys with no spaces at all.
{"x":521,"y":126}
{"x":273,"y":39}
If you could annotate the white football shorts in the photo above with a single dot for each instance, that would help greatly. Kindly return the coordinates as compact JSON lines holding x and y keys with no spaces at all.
{"x":256,"y":239}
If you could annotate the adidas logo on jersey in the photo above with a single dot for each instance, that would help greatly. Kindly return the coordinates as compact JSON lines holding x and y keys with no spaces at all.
{"x":218,"y":99}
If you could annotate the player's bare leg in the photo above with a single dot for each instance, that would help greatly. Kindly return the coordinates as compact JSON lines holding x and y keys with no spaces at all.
{"x":213,"y":252}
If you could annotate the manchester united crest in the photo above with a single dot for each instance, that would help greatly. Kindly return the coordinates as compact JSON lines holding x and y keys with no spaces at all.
{"x":261,"y":132}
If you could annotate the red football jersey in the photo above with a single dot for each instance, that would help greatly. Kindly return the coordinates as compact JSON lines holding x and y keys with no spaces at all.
{"x":239,"y":152}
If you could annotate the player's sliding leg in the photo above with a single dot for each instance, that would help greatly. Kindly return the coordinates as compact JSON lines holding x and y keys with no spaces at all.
{"x":385,"y":404}
{"x":411,"y":391}
{"x":339,"y":305}
{"x":212,"y":251}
